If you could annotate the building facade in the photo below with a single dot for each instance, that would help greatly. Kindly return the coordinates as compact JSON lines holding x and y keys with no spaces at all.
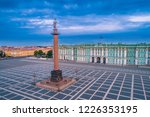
{"x":120,"y":54}
{"x":22,"y":51}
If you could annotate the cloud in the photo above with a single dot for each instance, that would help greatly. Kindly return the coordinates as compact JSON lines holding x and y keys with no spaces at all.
{"x":75,"y":18}
{"x":141,"y":18}
{"x":33,"y":23}
{"x":70,"y":6}
{"x":96,"y":28}
{"x":40,"y":22}
{"x":85,"y":24}
{"x":103,"y":24}
{"x":33,"y":10}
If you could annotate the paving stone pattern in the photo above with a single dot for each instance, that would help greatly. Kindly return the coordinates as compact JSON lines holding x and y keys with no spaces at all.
{"x":17,"y":82}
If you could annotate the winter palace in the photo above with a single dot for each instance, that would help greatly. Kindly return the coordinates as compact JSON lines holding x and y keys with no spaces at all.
{"x":121,"y":54}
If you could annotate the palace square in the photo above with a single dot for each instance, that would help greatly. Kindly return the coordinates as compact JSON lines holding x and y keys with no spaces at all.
{"x":94,"y":81}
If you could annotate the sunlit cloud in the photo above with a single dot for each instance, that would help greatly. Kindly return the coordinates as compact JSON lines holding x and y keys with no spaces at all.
{"x":140,"y":18}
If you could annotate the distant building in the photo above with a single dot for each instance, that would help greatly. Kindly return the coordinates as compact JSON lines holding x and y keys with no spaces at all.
{"x":23,"y":51}
{"x":120,"y":54}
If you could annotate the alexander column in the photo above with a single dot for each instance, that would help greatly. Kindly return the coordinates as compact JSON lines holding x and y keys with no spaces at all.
{"x":56,"y":74}
{"x":56,"y":82}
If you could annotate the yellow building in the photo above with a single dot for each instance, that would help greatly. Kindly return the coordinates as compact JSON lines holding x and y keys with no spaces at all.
{"x":20,"y":52}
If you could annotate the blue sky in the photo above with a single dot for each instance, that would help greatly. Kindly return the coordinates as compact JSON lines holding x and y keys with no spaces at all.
{"x":29,"y":22}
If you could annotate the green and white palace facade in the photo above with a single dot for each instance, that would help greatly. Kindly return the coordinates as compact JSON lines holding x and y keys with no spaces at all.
{"x":120,"y":54}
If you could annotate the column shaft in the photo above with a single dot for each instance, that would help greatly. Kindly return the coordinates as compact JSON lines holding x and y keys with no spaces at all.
{"x":56,"y":65}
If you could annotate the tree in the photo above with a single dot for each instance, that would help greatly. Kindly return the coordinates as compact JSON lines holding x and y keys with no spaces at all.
{"x":35,"y":53}
{"x":2,"y":54}
{"x":39,"y":53}
{"x":49,"y":54}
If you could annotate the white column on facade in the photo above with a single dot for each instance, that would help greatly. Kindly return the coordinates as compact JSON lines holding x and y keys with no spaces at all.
{"x":125,"y":61}
{"x":72,"y":51}
{"x":118,"y":52}
{"x":106,"y":54}
{"x":91,"y":54}
{"x":125,"y":56}
{"x":102,"y":52}
{"x":136,"y":56}
{"x":146,"y":56}
{"x":136,"y":53}
{"x":115,"y":56}
{"x":121,"y":53}
{"x":121,"y":56}
{"x":65,"y":51}
{"x":72,"y":54}
{"x":95,"y":56}
{"x":85,"y":55}
{"x":61,"y":53}
{"x":125,"y":52}
{"x":136,"y":61}
{"x":120,"y":61}
{"x":91,"y":51}
{"x":82,"y":54}
{"x":106,"y":59}
{"x":146,"y":52}
{"x":94,"y":52}
{"x":79,"y":54}
{"x":118,"y":58}
{"x":101,"y":55}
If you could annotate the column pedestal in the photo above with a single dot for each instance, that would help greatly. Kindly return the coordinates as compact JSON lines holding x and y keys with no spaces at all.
{"x":56,"y":75}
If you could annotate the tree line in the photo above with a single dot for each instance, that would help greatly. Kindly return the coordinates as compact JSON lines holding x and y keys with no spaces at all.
{"x":40,"y":53}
